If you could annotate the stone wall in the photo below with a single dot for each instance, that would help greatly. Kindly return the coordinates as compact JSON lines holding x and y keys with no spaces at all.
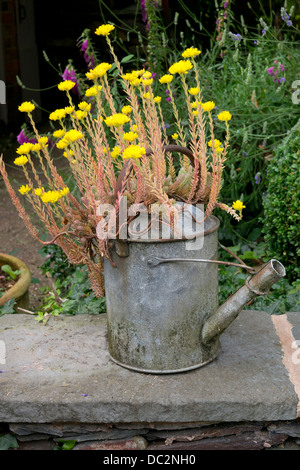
{"x":158,"y":436}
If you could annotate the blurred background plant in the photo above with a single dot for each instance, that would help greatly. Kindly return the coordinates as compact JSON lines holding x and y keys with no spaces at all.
{"x":250,"y":62}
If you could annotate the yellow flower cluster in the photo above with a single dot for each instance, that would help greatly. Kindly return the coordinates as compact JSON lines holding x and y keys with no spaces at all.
{"x":166,"y":78}
{"x":116,"y":120}
{"x":134,"y":151}
{"x":133,"y":77}
{"x":191,"y":52}
{"x":194,"y":91}
{"x":66,"y":85}
{"x":224,"y":116}
{"x":20,"y":161}
{"x":115,"y":152}
{"x":157,"y":99}
{"x":58,"y":114}
{"x":238,"y":205}
{"x":71,"y":136}
{"x":26,"y":107}
{"x":208,"y":106}
{"x":24,"y":189}
{"x":99,"y":71}
{"x":181,"y":67}
{"x":104,"y":29}
{"x":25,"y":148}
{"x":51,"y":196}
{"x":93,"y":90}
{"x":126,"y":109}
{"x":130,"y":136}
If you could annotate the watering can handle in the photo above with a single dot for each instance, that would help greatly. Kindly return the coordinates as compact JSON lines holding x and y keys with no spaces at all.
{"x":128,"y":166}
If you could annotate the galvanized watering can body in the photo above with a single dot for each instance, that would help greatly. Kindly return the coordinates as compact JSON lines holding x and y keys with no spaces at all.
{"x":164,"y":317}
{"x":155,"y":314}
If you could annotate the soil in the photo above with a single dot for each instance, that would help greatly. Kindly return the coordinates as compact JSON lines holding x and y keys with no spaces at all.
{"x":15,"y":239}
{"x":5,"y":282}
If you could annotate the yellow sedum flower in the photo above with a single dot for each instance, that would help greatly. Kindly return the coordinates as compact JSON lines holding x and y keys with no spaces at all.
{"x":20,"y":161}
{"x":80,"y":114}
{"x":43,"y":140}
{"x":181,"y":67}
{"x":175,"y":136}
{"x":115,"y":152}
{"x":64,"y":191}
{"x":194,"y":91}
{"x":208,"y":106}
{"x":36,"y":147}
{"x":166,"y":78}
{"x":73,"y":135}
{"x":126,"y":109}
{"x":224,"y":116}
{"x":130,"y":136}
{"x":216,"y":142}
{"x":57,"y":115}
{"x":24,"y":189}
{"x":62,"y":143}
{"x":26,"y":107}
{"x":93,"y":90}
{"x":104,"y":29}
{"x":25,"y":148}
{"x":191,"y":52}
{"x":84,"y":106}
{"x":66,"y":85}
{"x":134,"y":151}
{"x":157,"y":99}
{"x":38,"y":191}
{"x":116,"y":120}
{"x":147,"y":81}
{"x":50,"y":196}
{"x":99,"y":71}
{"x":238,"y":205}
{"x":59,"y":133}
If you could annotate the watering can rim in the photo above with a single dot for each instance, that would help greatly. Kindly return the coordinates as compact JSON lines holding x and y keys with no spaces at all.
{"x":212,"y":218}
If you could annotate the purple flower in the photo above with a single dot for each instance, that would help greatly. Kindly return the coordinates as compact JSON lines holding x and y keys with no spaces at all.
{"x":271,"y":70}
{"x":282,"y":79}
{"x":22,"y":138}
{"x":281,"y":67}
{"x":257,"y":178}
{"x":285,"y":17}
{"x":255,"y":42}
{"x":168,"y":99}
{"x":144,"y":11}
{"x":69,"y":74}
{"x":226,"y":5}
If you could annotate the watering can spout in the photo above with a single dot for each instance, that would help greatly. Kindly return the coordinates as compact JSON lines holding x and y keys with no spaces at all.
{"x":258,"y":284}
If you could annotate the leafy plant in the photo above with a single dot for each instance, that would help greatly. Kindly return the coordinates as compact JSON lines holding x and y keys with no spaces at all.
{"x":13,"y":274}
{"x":281,"y":204}
{"x":8,"y":307}
{"x":8,"y":441}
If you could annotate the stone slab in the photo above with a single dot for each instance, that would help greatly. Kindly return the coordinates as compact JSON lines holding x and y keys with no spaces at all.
{"x":61,"y":372}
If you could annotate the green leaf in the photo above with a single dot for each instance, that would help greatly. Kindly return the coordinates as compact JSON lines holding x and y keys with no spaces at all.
{"x":8,"y":307}
{"x":67,"y":445}
{"x":127,"y":58}
{"x":8,"y":441}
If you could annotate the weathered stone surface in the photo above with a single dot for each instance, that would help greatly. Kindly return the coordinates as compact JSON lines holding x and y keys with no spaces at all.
{"x":291,"y":429}
{"x":128,"y":444}
{"x":256,"y":440}
{"x":61,"y":372}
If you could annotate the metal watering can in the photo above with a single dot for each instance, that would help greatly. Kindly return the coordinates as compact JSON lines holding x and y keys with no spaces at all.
{"x":163,"y":313}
